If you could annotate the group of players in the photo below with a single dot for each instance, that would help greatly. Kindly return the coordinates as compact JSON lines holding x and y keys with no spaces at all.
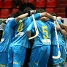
{"x":16,"y":39}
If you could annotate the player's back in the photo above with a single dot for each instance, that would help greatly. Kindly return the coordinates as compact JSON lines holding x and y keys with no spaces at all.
{"x":44,"y":37}
{"x":20,"y":37}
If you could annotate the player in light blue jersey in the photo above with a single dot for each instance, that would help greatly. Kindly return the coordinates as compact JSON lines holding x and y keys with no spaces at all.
{"x":41,"y":47}
{"x":6,"y":39}
{"x":4,"y":44}
{"x":17,"y":50}
{"x":54,"y":49}
{"x":10,"y":62}
{"x":63,"y":44}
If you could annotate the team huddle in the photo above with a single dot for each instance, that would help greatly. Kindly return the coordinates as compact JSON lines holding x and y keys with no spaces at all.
{"x":49,"y":39}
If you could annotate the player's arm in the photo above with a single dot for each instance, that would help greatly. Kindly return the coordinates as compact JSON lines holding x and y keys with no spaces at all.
{"x":50,"y":16}
{"x":60,"y":29}
{"x":61,"y":26}
{"x":44,"y":18}
{"x":64,"y":27}
{"x":45,"y":14}
{"x":29,"y":34}
{"x":63,"y":32}
{"x":29,"y":13}
{"x":21,"y":17}
{"x":30,"y":30}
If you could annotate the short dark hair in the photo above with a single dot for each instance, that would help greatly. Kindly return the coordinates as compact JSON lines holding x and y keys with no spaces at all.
{"x":18,"y":13}
{"x":27,"y":9}
{"x":11,"y":15}
{"x":40,"y":10}
{"x":53,"y":13}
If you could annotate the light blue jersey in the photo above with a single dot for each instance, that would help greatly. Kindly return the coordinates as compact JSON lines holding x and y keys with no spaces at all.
{"x":20,"y":37}
{"x":41,"y":47}
{"x":17,"y":49}
{"x":7,"y":36}
{"x":5,"y":42}
{"x":54,"y":48}
{"x":44,"y":37}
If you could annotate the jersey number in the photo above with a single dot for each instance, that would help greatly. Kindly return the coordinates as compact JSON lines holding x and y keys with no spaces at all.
{"x":20,"y":27}
{"x":45,"y":31}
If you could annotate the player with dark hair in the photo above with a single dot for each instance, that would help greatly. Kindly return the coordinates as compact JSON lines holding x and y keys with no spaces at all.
{"x":41,"y":47}
{"x":57,"y":62}
{"x":7,"y":34}
{"x":5,"y":41}
{"x":20,"y":40}
{"x":26,"y":5}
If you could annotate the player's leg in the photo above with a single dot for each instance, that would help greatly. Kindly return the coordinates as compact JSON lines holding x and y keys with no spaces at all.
{"x":54,"y":62}
{"x":19,"y":53}
{"x":3,"y":59}
{"x":10,"y":57}
{"x":33,"y":57}
{"x":45,"y":53}
{"x":63,"y":56}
